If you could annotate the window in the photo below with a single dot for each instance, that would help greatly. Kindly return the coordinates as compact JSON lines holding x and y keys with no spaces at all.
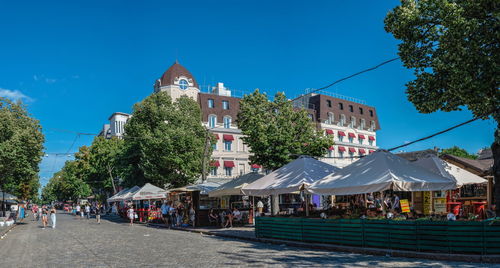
{"x":370,"y":142}
{"x":371,"y":113}
{"x":360,"y":110}
{"x":341,"y":106}
{"x":213,"y":171}
{"x":353,"y":122}
{"x":212,"y":121}
{"x":214,"y":146}
{"x":228,"y":171}
{"x":341,"y":154}
{"x":351,"y":108}
{"x":329,"y":103}
{"x":227,"y":145}
{"x":351,"y":155}
{"x":360,"y":141}
{"x":227,"y":122}
{"x":331,"y":118}
{"x":341,"y":138}
{"x":211,"y":103}
{"x":183,"y":84}
{"x":372,"y":125}
{"x":362,"y":124}
{"x":351,"y":139}
{"x":330,"y":153}
{"x":225,"y":105}
{"x":342,"y":119}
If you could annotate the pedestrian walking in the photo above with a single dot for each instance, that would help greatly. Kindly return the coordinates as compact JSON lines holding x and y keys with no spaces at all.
{"x":82,"y":212}
{"x":53,"y":217}
{"x":98,"y":213}
{"x":44,"y":216}
{"x":77,"y":210}
{"x":131,"y":214}
{"x":34,"y":210}
{"x":87,"y":211}
{"x":165,"y":208}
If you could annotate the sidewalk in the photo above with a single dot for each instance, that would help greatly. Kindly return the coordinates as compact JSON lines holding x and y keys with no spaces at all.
{"x":247,"y":233}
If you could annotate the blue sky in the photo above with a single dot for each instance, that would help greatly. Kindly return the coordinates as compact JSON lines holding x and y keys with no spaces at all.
{"x":76,"y":62}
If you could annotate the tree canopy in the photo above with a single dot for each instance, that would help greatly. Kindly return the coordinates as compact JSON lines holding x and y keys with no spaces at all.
{"x":460,"y":152}
{"x":164,"y":142}
{"x":67,"y":184}
{"x":21,"y":150}
{"x":276,"y":132}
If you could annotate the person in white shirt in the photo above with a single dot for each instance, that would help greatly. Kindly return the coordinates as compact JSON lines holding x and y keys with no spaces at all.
{"x":77,"y":210}
{"x":131,"y":214}
{"x":87,"y":211}
{"x":451,"y":216}
{"x":260,"y":207}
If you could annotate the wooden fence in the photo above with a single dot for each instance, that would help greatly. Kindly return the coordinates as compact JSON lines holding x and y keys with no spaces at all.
{"x":433,"y":236}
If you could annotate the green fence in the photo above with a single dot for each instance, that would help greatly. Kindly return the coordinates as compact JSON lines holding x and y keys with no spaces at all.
{"x":434,"y":236}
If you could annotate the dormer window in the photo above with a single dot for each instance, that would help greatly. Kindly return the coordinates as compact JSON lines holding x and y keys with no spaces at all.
{"x":351,"y":108}
{"x":183,"y":84}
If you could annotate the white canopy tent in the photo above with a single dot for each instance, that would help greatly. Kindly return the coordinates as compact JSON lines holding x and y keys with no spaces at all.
{"x":448,"y":170}
{"x":126,"y":194}
{"x":113,"y":198}
{"x":147,"y":192}
{"x":204,"y":188}
{"x":290,"y":178}
{"x":378,"y":172}
{"x":233,"y":187}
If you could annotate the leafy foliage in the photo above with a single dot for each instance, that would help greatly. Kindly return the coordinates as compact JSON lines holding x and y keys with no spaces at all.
{"x":21,"y":145}
{"x":67,"y":184}
{"x":460,"y":152}
{"x":276,"y":132}
{"x":165,"y":142}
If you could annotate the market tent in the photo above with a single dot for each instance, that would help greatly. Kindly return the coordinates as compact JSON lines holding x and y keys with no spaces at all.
{"x":127,"y":194}
{"x":290,"y":178}
{"x":448,"y":170}
{"x":204,"y":188}
{"x":233,"y":187}
{"x":149,"y":191}
{"x":378,"y":172}
{"x":113,"y":198}
{"x":7,"y":196}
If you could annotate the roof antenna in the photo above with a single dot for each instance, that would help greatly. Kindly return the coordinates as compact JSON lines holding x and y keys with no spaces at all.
{"x":176,"y":56}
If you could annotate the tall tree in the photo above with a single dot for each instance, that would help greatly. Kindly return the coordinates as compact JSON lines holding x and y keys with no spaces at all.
{"x":21,"y":145}
{"x":103,"y":160}
{"x":67,"y":184}
{"x":457,"y":151}
{"x":164,"y":142}
{"x":453,"y":47}
{"x":276,"y":132}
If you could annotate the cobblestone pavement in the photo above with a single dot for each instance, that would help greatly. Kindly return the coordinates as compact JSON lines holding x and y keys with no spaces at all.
{"x":84,"y":243}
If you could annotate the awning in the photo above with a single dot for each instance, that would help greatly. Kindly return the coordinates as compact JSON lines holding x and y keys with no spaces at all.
{"x":362,"y":151}
{"x":371,"y":151}
{"x":351,"y":135}
{"x":149,"y":191}
{"x":341,"y":149}
{"x":361,"y":136}
{"x":255,"y":166}
{"x":329,"y":131}
{"x":371,"y":138}
{"x":233,"y":187}
{"x":341,"y":133}
{"x":228,"y":137}
{"x":331,"y":148}
{"x":229,"y":164}
{"x":352,"y":150}
{"x":214,"y":163}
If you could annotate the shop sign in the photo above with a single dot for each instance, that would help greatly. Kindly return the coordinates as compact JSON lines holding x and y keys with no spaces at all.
{"x":405,"y":205}
{"x":427,"y":203}
{"x":440,"y":205}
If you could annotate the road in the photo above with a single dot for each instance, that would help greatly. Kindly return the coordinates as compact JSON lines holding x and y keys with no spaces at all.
{"x":84,"y":243}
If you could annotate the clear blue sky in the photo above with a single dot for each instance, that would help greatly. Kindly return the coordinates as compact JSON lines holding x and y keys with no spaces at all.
{"x":76,"y":62}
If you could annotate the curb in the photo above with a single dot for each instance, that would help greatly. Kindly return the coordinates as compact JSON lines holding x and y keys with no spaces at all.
{"x":369,"y":251}
{"x":4,"y":233}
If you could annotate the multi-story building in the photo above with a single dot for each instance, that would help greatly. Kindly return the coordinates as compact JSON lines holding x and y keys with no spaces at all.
{"x":352,"y":123}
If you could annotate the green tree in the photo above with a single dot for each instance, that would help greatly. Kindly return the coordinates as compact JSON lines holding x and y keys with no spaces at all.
{"x":67,"y":184}
{"x":164,"y":142}
{"x":276,"y":132}
{"x":460,"y":152}
{"x":21,"y":150}
{"x":453,"y":47}
{"x":104,"y":155}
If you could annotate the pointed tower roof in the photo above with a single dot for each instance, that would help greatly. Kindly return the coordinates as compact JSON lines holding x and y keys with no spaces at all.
{"x":174,"y":72}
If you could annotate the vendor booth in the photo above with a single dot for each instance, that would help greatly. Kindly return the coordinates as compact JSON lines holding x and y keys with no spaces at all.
{"x":290,"y":179}
{"x":468,"y":199}
{"x":147,"y":201}
{"x":197,"y":195}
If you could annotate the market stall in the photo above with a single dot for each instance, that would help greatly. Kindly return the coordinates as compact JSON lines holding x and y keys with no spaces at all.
{"x":197,"y":195}
{"x":147,"y":202}
{"x":290,"y":179}
{"x":470,"y":196}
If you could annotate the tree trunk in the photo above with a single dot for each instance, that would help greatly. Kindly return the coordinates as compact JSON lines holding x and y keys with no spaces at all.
{"x":495,"y":149}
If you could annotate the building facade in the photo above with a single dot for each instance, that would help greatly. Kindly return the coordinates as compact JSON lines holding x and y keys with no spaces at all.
{"x":352,"y":123}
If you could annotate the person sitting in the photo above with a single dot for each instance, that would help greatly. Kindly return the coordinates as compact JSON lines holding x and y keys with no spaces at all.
{"x":451,"y":216}
{"x":237,"y":216}
{"x":213,"y":218}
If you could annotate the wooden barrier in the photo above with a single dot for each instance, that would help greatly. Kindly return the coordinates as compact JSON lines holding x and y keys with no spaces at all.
{"x":431,"y":236}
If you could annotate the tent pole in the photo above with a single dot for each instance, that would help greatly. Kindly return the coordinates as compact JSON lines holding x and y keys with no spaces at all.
{"x":253,"y":210}
{"x":307,"y":205}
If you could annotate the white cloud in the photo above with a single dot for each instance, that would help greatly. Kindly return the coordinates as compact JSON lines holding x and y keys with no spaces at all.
{"x":45,"y":79}
{"x":13,"y":95}
{"x":50,"y":80}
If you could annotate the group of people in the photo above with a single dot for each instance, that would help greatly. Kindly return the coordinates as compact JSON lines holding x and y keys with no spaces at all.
{"x":86,"y":210}
{"x":225,"y":218}
{"x":43,"y":213}
{"x":178,"y":215}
